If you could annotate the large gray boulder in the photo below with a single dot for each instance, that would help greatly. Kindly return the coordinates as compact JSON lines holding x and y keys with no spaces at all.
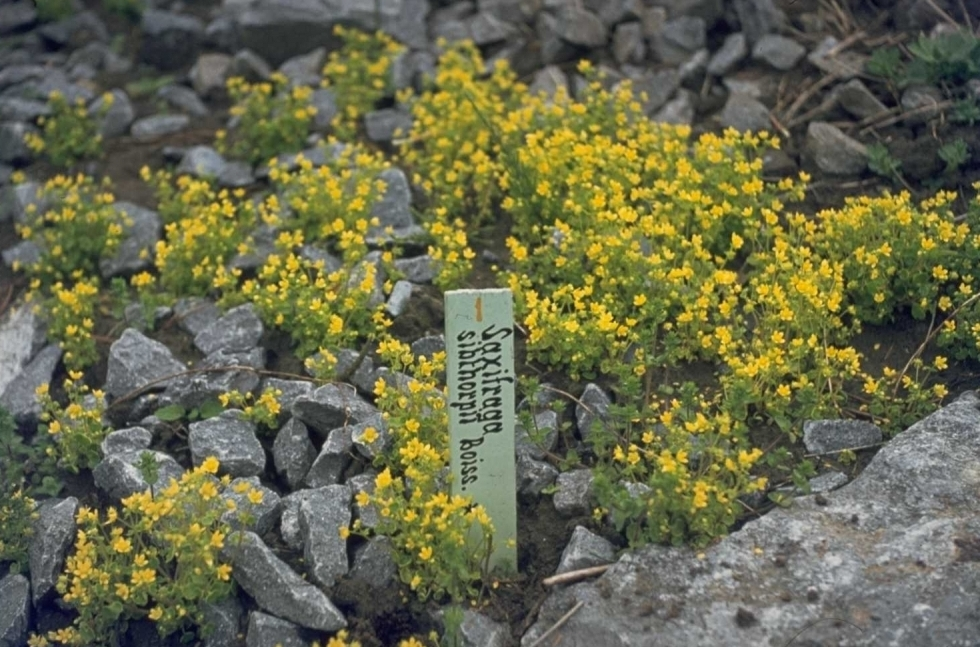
{"x":888,"y":559}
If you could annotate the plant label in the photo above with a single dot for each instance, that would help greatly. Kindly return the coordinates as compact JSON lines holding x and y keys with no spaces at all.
{"x":480,"y":375}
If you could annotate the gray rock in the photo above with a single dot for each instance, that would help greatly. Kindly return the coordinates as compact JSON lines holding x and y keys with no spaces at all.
{"x":260,"y":517}
{"x":732,"y":52}
{"x":135,"y":251}
{"x":237,"y":330}
{"x":289,"y":519}
{"x":126,"y":440}
{"x":332,"y":406}
{"x":679,"y":110}
{"x":235,"y":175}
{"x":183,"y":99}
{"x":574,"y":495}
{"x":224,"y":617}
{"x":825,"y":436}
{"x":20,"y":109}
{"x":758,"y":18}
{"x":554,"y":48}
{"x":386,"y":124}
{"x":14,"y":201}
{"x":413,"y":69}
{"x":374,"y":564}
{"x":477,"y":630}
{"x":136,"y":362}
{"x":209,"y":73}
{"x":890,"y":545}
{"x":250,"y":66}
{"x":924,"y":100}
{"x":195,"y":314}
{"x":628,"y":45}
{"x":25,"y":253}
{"x":117,"y":117}
{"x":54,"y":533}
{"x":855,"y":97}
{"x":744,"y":113}
{"x":548,"y":80}
{"x":362,"y":377}
{"x":269,"y":631}
{"x":429,"y":345}
{"x":222,"y":34}
{"x":19,"y":397}
{"x":321,"y":518}
{"x":581,"y":27}
{"x":591,"y":409}
{"x":158,"y":126}
{"x":657,"y":88}
{"x":533,"y":476}
{"x":305,"y":69}
{"x":170,"y":41}
{"x":395,"y":207}
{"x":77,"y":29}
{"x":398,"y":300}
{"x":371,"y":450}
{"x":846,"y":64}
{"x":289,"y":390}
{"x":15,"y":594}
{"x":293,"y":452}
{"x":418,"y":269}
{"x":828,"y":481}
{"x":833,"y":151}
{"x":680,"y":38}
{"x":778,"y":163}
{"x":276,"y":588}
{"x":692,"y":71}
{"x":325,"y":102}
{"x":22,"y":335}
{"x":542,"y":438}
{"x":119,"y":476}
{"x":333,"y":459}
{"x":13,"y":150}
{"x":778,"y":51}
{"x":585,"y":549}
{"x":15,"y":17}
{"x":367,"y":514}
{"x":487,"y":29}
{"x":231,"y":440}
{"x":201,"y":162}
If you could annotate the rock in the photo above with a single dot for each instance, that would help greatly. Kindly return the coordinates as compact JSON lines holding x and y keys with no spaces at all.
{"x":260,"y":517}
{"x":293,"y":452}
{"x":778,"y":51}
{"x":54,"y":533}
{"x":158,"y":126}
{"x":15,"y":200}
{"x":322,"y":515}
{"x":276,"y":588}
{"x":364,"y":482}
{"x":553,"y":48}
{"x":585,"y":549}
{"x":833,"y":151}
{"x":170,"y":41}
{"x":395,"y":207}
{"x":487,"y":29}
{"x":542,"y":438}
{"x":325,"y":102}
{"x":758,"y":18}
{"x":20,"y":398}
{"x":305,"y":69}
{"x":693,"y":70}
{"x":477,"y":630}
{"x":136,"y":361}
{"x":845,"y":65}
{"x":386,"y":124}
{"x":548,"y":80}
{"x":855,"y":97}
{"x":678,"y":111}
{"x":22,"y":335}
{"x":118,"y":474}
{"x":628,"y":45}
{"x":290,"y":390}
{"x":362,"y":377}
{"x":229,"y":438}
{"x":429,"y":345}
{"x":135,"y":252}
{"x":826,"y":436}
{"x":76,"y":30}
{"x":15,"y":17}
{"x":269,"y":631}
{"x":924,"y":100}
{"x":744,"y":113}
{"x":828,"y":482}
{"x":533,"y":476}
{"x":591,"y":409}
{"x":15,"y":591}
{"x":333,"y":459}
{"x":732,"y":52}
{"x":382,"y":438}
{"x":656,"y":89}
{"x":224,"y":617}
{"x":209,"y":73}
{"x":20,"y":109}
{"x":778,"y":163}
{"x":237,"y":330}
{"x":13,"y":150}
{"x":419,"y":269}
{"x":126,"y":440}
{"x":250,"y":66}
{"x":373,"y":564}
{"x":202,"y":162}
{"x":235,"y":175}
{"x":332,"y":406}
{"x":679,"y":39}
{"x":221,"y":34}
{"x":117,"y":118}
{"x":24,"y":253}
{"x":184,"y":99}
{"x":890,"y":545}
{"x":398,"y":300}
{"x":574,"y":495}
{"x":195,"y":314}
{"x":581,"y":27}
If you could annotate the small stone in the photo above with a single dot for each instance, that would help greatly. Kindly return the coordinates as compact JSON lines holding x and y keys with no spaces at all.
{"x":398,"y":300}
{"x":826,"y":436}
{"x":322,"y":517}
{"x":134,"y":253}
{"x":13,"y":150}
{"x":827,"y":482}
{"x":136,"y":361}
{"x":237,"y":330}
{"x":201,"y":162}
{"x":332,"y":406}
{"x":833,"y":151}
{"x":657,"y":88}
{"x":628,"y":45}
{"x":170,"y":40}
{"x":116,"y":119}
{"x":209,"y":73}
{"x":855,"y":97}
{"x":229,"y":438}
{"x":54,"y":532}
{"x":333,"y":459}
{"x":15,"y":589}
{"x":731,"y":53}
{"x":679,"y":39}
{"x":846,"y":64}
{"x":259,"y":517}
{"x":581,"y":27}
{"x":744,"y":113}
{"x":574,"y":495}
{"x":184,"y":99}
{"x":533,"y":476}
{"x":418,"y":269}
{"x":585,"y":549}
{"x":778,"y":51}
{"x":923,"y":101}
{"x":374,"y":564}
{"x":678,"y":111}
{"x":293,"y":452}
{"x":591,"y":410}
{"x":758,"y":18}
{"x":158,"y":126}
{"x":386,"y":124}
{"x":250,"y":66}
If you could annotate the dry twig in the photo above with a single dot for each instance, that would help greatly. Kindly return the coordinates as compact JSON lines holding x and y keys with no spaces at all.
{"x":561,"y":621}
{"x":575,"y":576}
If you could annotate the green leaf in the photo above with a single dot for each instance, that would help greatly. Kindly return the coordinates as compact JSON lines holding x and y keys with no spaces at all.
{"x":210,"y":409}
{"x":171,"y":412}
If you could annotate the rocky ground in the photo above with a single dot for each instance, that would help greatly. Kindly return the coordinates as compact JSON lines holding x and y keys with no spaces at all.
{"x":889,"y":558}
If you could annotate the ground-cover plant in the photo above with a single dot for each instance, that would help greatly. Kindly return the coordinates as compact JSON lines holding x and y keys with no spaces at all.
{"x":263,"y":410}
{"x":360,"y":73}
{"x":77,"y":428}
{"x":441,"y":542}
{"x":17,"y":514}
{"x":70,"y":133}
{"x":272,"y":118}
{"x":51,"y":10}
{"x":155,"y":557}
{"x":72,"y":321}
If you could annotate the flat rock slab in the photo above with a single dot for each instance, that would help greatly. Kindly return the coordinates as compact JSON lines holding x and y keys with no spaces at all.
{"x":892,"y":556}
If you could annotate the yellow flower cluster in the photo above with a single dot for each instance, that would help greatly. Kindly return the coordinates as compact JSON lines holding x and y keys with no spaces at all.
{"x":69,"y":134}
{"x":264,"y":410}
{"x":76,"y":428}
{"x":155,"y":557}
{"x":17,"y":513}
{"x":71,"y":311}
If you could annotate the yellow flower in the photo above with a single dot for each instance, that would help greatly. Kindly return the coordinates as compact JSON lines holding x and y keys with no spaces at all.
{"x":155,"y":613}
{"x":210,"y":465}
{"x":426,"y":553}
{"x":255,"y":496}
{"x":122,"y":545}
